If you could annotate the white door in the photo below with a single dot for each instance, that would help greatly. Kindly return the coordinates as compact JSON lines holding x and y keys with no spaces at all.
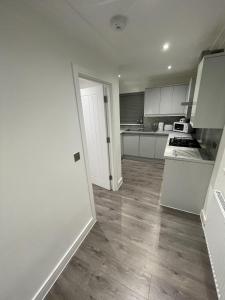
{"x":96,"y":134}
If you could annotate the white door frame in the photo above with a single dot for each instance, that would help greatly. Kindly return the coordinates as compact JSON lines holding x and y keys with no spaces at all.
{"x":107,"y":92}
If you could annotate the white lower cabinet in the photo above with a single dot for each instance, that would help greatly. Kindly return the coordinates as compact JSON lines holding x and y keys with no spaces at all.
{"x":160,"y":145}
{"x":185,"y":184}
{"x":131,"y":144}
{"x":147,"y":146}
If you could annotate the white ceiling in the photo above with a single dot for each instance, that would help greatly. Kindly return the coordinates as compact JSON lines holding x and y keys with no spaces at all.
{"x":189,"y":25}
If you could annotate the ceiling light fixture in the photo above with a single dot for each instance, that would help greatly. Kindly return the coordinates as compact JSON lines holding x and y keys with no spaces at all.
{"x":169,"y":67}
{"x":166,"y":46}
{"x":118,"y":22}
{"x":119,"y":75}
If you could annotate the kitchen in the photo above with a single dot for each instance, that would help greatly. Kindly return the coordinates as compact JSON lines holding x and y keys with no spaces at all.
{"x":181,"y":124}
{"x":112,"y":150}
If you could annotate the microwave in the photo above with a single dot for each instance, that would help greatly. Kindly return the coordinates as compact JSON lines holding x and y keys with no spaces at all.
{"x":182,"y":127}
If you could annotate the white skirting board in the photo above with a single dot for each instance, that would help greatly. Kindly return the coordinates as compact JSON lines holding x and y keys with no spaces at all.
{"x":56,"y":272}
{"x":120,"y":182}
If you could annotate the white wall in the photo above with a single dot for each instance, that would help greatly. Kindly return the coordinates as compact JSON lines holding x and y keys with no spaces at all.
{"x":44,"y":200}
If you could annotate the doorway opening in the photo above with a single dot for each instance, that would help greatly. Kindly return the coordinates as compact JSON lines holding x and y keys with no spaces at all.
{"x":95,"y":109}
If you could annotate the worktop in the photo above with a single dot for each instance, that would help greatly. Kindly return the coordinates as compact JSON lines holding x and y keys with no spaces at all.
{"x":174,"y":152}
{"x":133,"y":131}
{"x":185,"y":153}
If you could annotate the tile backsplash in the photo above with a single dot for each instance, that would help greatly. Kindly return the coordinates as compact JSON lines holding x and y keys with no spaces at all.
{"x":210,"y":140}
{"x":150,"y":121}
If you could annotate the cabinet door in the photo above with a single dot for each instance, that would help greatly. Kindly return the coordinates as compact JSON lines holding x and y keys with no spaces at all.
{"x":166,"y":102}
{"x":179,"y":96}
{"x":131,"y":144}
{"x":196,"y":91}
{"x":160,"y":146}
{"x":152,"y":101}
{"x":147,"y":146}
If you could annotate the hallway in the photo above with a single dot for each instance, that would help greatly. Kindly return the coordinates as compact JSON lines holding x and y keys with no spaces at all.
{"x":137,"y":249}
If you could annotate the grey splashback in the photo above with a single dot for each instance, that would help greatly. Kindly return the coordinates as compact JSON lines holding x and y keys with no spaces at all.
{"x":210,"y":140}
{"x":150,"y":121}
{"x":131,"y":107}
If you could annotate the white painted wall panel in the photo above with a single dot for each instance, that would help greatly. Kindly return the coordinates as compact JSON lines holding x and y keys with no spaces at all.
{"x":44,"y":201}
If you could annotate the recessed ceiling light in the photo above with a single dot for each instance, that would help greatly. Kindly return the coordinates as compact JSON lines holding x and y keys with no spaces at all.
{"x":119,"y":75}
{"x":118,"y":22}
{"x":169,"y":67}
{"x":166,"y":46}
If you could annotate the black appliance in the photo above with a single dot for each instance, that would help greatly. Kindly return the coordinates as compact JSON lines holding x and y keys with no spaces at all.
{"x":184,"y":142}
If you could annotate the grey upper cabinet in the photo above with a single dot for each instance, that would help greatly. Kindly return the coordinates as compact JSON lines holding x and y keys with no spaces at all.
{"x":131,"y":144}
{"x":152,"y":101}
{"x":208,"y":110}
{"x":165,"y":100}
{"x":147,"y":146}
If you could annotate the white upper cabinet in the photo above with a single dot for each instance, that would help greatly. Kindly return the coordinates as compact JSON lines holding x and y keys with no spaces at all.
{"x":152,"y":101}
{"x":165,"y":100}
{"x":179,"y":96}
{"x":208,"y":110}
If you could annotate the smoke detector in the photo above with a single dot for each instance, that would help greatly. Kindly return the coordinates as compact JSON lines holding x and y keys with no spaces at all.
{"x":118,"y":22}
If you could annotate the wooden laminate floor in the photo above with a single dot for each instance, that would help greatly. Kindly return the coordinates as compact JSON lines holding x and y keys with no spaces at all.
{"x":137,"y":249}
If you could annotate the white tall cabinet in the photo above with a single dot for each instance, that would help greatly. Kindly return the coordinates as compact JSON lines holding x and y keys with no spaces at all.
{"x":165,"y":101}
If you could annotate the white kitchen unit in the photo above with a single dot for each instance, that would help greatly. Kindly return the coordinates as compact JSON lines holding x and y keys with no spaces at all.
{"x":131,"y":144}
{"x":179,"y":96}
{"x":185,"y":185}
{"x":147,"y":146}
{"x":160,"y":145}
{"x":189,"y":98}
{"x":152,"y":101}
{"x":208,"y":110}
{"x":186,"y":177}
{"x":165,"y":101}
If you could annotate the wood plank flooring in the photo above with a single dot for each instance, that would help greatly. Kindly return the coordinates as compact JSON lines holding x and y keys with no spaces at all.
{"x":138,"y":250}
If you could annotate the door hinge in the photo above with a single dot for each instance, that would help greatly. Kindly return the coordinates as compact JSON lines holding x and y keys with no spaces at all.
{"x":105,"y":99}
{"x":110,"y":177}
{"x":108,"y":139}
